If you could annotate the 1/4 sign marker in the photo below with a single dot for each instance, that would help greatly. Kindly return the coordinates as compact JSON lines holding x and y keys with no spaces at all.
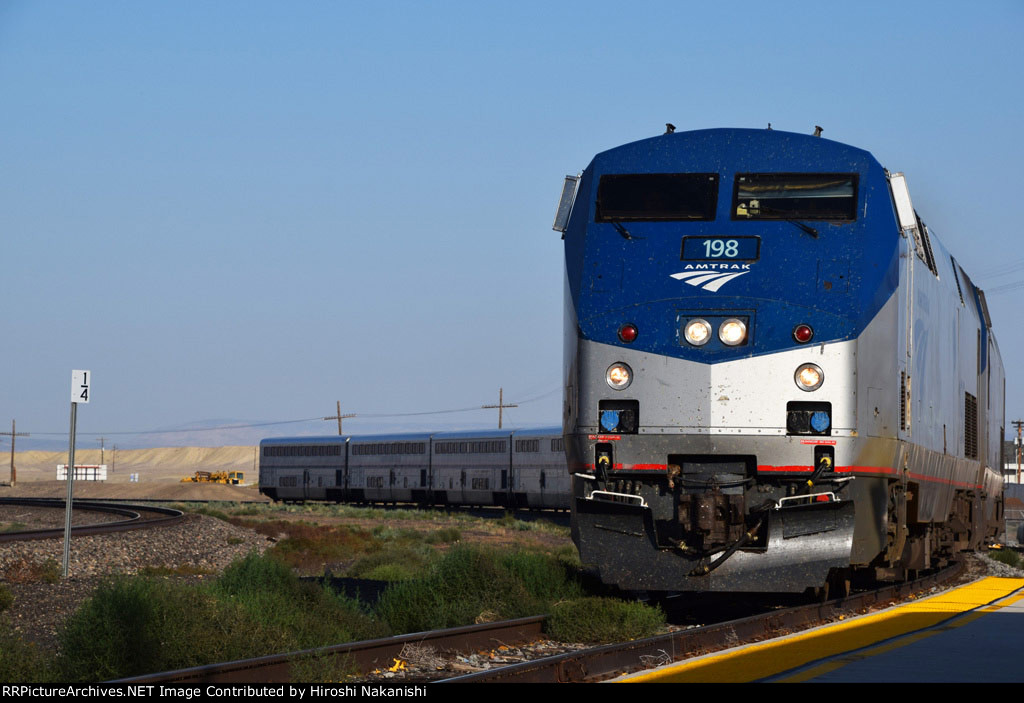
{"x":80,"y":382}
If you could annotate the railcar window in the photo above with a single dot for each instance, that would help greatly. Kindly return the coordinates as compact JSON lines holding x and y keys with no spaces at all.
{"x":795,"y":196}
{"x":527,"y":445}
{"x":494,"y":447}
{"x":391,"y":448}
{"x":315,"y":450}
{"x":657,"y":196}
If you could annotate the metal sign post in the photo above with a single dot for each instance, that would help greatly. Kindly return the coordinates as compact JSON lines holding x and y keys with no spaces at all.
{"x":80,"y":386}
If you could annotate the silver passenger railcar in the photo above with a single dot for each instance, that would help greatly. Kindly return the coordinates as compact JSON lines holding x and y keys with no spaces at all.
{"x":540,"y":478}
{"x":304,"y":468}
{"x":512,"y":469}
{"x":388,"y":468}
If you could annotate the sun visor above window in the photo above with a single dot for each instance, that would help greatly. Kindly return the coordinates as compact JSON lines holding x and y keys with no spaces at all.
{"x":565,"y":203}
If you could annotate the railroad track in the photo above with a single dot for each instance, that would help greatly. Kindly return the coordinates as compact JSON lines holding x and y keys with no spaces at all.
{"x":592,"y":664}
{"x":366,"y":656}
{"x":135,"y":517}
{"x":600,"y":663}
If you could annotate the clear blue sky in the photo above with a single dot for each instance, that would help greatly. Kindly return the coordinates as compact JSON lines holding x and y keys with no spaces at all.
{"x":244,"y":211}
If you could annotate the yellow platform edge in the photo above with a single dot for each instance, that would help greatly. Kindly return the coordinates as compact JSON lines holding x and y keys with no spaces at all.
{"x":782,"y":654}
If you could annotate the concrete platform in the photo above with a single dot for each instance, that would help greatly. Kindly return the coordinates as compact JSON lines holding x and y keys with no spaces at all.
{"x":974,"y":633}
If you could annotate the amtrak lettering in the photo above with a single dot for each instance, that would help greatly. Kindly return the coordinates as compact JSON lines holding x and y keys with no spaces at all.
{"x":710,"y":277}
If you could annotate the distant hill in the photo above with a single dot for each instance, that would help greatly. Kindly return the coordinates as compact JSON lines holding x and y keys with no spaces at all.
{"x":163,"y":464}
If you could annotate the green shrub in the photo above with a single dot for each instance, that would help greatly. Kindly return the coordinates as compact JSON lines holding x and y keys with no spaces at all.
{"x":306,"y":615}
{"x":50,"y":571}
{"x":212,"y":512}
{"x":22,"y":662}
{"x":308,"y":546}
{"x":470,"y":583}
{"x":257,"y":573}
{"x":545,"y":578}
{"x":6,"y":598}
{"x":595,"y":620}
{"x":144,"y":625}
{"x":446,"y":535}
{"x":408,"y":561}
{"x":1006,"y":556}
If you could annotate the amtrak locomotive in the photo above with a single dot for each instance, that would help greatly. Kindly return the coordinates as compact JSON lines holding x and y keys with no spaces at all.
{"x":776,"y":377}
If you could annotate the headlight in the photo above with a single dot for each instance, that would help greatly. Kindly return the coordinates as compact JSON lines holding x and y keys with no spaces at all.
{"x":697,"y":332}
{"x":732,"y":332}
{"x":809,"y":377}
{"x":619,"y":376}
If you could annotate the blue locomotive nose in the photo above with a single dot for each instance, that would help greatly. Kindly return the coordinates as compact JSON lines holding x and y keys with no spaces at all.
{"x":820,"y":421}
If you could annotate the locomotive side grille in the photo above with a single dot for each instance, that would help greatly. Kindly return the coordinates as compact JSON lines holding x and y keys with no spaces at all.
{"x":929,"y":257}
{"x":903,"y":401}
{"x":956,"y":278}
{"x":970,"y":426}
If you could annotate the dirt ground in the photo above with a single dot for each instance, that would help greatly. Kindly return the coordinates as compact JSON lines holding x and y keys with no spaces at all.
{"x":488,"y":532}
{"x":150,"y":490}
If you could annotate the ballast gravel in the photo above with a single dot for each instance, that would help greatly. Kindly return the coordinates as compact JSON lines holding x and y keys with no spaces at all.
{"x":199,"y":545}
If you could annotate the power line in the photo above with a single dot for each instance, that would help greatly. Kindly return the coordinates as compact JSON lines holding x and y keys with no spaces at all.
{"x":1006,"y":287}
{"x":195,"y":429}
{"x":242,"y":426}
{"x":1001,"y":269}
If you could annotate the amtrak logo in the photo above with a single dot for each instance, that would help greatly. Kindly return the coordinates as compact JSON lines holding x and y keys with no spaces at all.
{"x":711,"y":277}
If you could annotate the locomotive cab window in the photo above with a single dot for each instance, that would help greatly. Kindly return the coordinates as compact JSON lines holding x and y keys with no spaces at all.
{"x":657,"y":197}
{"x":795,"y":196}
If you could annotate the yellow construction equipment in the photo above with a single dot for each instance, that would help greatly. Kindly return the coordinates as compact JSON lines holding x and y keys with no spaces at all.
{"x":233,"y":478}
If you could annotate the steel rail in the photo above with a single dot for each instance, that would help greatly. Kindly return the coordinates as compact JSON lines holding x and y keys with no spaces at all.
{"x":366,"y":655}
{"x":614,"y":659}
{"x":133,"y":513}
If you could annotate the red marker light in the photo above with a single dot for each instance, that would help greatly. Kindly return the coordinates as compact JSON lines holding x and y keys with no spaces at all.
{"x":803,"y":333}
{"x":628,"y":333}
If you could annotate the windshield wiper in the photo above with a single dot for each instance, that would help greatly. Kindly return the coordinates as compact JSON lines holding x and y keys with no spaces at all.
{"x":622,"y":230}
{"x":796,"y":223}
{"x":806,"y":228}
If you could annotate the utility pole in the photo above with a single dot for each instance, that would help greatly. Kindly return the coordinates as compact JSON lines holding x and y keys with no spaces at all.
{"x":500,"y":406}
{"x":113,"y":458}
{"x":12,"y":434}
{"x":339,"y":417}
{"x":1018,"y":424}
{"x":101,"y":439}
